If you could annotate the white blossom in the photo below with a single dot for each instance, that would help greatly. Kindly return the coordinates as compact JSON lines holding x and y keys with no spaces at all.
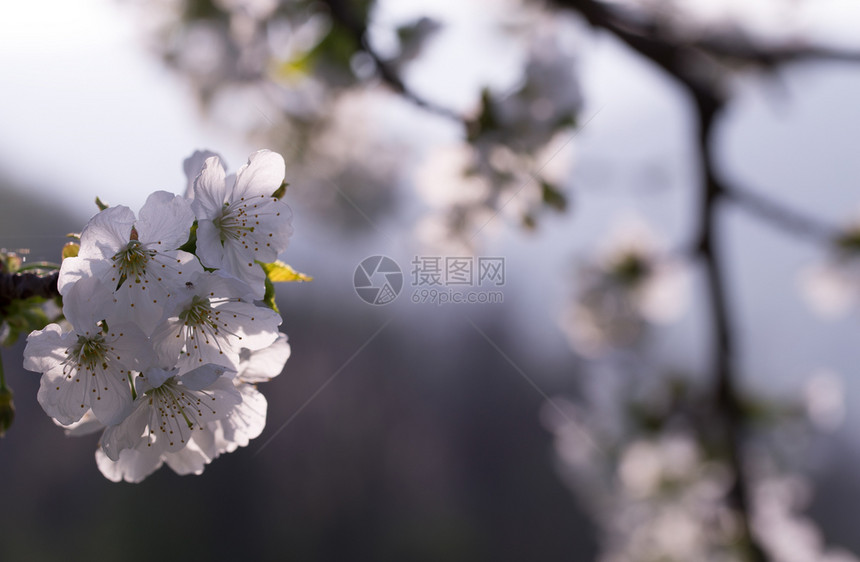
{"x":241,"y":222}
{"x":83,"y":370}
{"x":138,"y":259}
{"x":832,"y":287}
{"x":238,"y":423}
{"x":87,"y":367}
{"x":160,"y":355}
{"x":171,"y":407}
{"x":213,"y":323}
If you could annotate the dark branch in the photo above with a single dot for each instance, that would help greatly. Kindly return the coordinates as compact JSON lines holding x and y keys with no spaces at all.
{"x":705,"y":87}
{"x":780,"y":215}
{"x":343,"y":15}
{"x":18,"y":286}
{"x":733,"y":47}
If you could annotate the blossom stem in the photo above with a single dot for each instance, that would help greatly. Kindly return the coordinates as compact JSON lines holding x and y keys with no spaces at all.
{"x":2,"y":376}
{"x":7,"y":405}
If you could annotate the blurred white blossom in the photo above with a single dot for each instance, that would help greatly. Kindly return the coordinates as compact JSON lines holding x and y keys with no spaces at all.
{"x":784,"y":533}
{"x":824,"y":400}
{"x":832,"y":287}
{"x":633,"y":282}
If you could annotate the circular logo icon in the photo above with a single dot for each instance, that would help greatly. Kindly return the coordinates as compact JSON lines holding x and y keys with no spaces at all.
{"x":378,"y":280}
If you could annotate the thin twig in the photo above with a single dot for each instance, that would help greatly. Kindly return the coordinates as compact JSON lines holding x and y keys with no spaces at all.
{"x":343,"y":15}
{"x":779,"y":215}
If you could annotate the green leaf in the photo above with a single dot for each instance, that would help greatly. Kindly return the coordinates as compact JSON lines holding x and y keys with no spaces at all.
{"x":101,"y":205}
{"x":191,"y":245}
{"x":279,"y":272}
{"x":22,"y":316}
{"x":38,"y":266}
{"x":269,"y":297}
{"x":281,"y":191}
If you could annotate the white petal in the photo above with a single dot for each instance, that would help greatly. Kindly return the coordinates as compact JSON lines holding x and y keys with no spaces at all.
{"x":245,"y":422}
{"x":106,"y":233}
{"x":84,"y":304}
{"x":272,"y":229}
{"x":219,"y":284}
{"x":205,"y":440}
{"x":261,"y":331}
{"x":203,"y":377}
{"x":210,"y":191}
{"x":111,"y":403}
{"x":164,"y":221}
{"x":193,"y":165}
{"x":133,"y":465}
{"x":241,"y":265}
{"x":262,"y":175}
{"x":168,"y":342}
{"x":85,"y":426}
{"x":131,"y":347}
{"x":67,"y":403}
{"x":46,"y":349}
{"x":143,"y":308}
{"x":156,"y":376}
{"x":209,"y":248}
{"x":190,"y":460}
{"x":264,"y":364}
{"x":129,"y":433}
{"x":73,"y":270}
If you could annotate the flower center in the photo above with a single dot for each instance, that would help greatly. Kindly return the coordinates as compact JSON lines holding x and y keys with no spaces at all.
{"x":199,"y":314}
{"x":86,"y":354}
{"x":233,"y":224}
{"x":131,"y":261}
{"x":630,"y":269}
{"x":175,"y":408}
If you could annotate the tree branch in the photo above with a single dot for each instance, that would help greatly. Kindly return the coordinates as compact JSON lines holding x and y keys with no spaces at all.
{"x":681,"y":62}
{"x":780,"y":215}
{"x":18,"y":286}
{"x":344,"y":16}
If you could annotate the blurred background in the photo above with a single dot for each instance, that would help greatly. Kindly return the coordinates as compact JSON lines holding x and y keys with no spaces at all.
{"x":566,"y":422}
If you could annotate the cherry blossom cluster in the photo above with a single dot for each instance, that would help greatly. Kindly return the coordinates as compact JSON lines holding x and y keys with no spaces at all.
{"x":633,"y":283}
{"x":164,"y":342}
